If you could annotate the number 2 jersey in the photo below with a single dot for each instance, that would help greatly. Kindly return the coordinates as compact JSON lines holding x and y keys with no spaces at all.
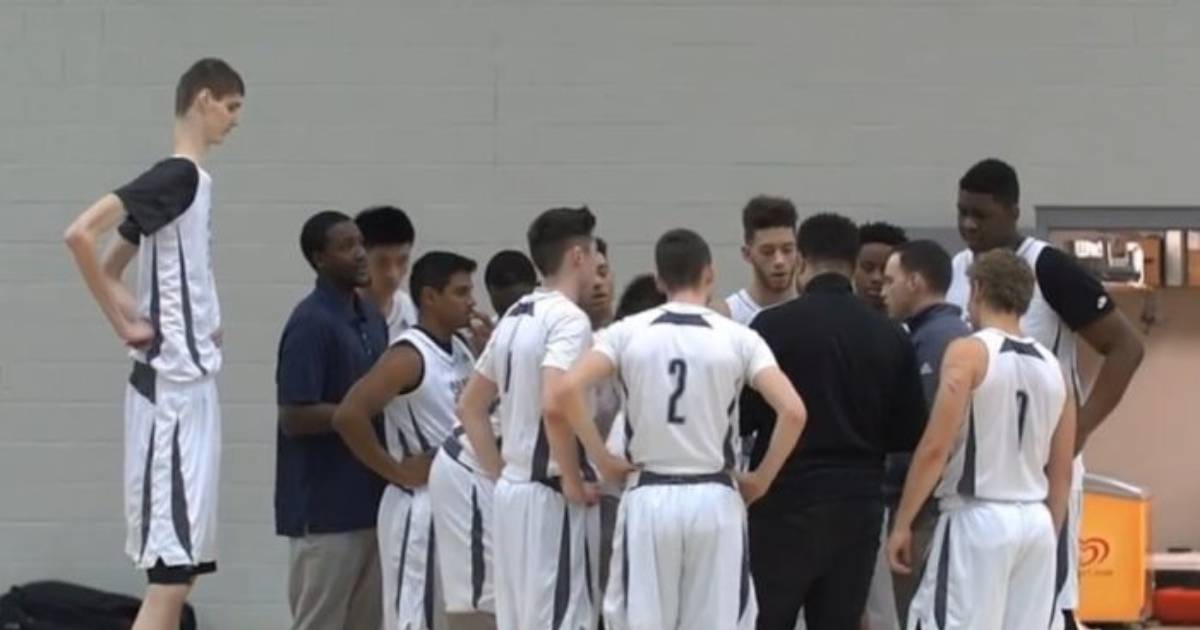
{"x":682,"y":368}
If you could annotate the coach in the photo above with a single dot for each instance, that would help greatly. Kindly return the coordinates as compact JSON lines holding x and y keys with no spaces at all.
{"x":814,"y":536}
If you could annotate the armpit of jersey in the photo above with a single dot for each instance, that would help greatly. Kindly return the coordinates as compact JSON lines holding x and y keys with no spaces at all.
{"x":158,"y":196}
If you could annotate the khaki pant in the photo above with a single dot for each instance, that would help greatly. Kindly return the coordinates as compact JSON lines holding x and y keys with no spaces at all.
{"x":333,"y":582}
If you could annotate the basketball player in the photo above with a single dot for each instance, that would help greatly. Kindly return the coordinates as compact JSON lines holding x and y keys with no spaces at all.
{"x":769,"y":228}
{"x":172,"y":418}
{"x":1068,"y":304}
{"x":416,"y":385}
{"x":598,"y":301}
{"x":388,"y":235}
{"x":877,"y":242}
{"x":509,"y":276}
{"x":1005,"y":419}
{"x":542,"y":577}
{"x":681,"y":538}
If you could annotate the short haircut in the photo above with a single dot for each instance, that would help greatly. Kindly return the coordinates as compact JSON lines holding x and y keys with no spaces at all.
{"x":929,"y":260}
{"x":680,"y":257}
{"x":210,"y":74}
{"x":881,"y":232}
{"x":509,"y":268}
{"x":1004,"y":281}
{"x":314,"y":236}
{"x":828,"y":237}
{"x":602,"y":246}
{"x":385,"y":225}
{"x":433,"y":270}
{"x":993,"y":177}
{"x":640,"y":294}
{"x":765,"y":212}
{"x":554,"y":231}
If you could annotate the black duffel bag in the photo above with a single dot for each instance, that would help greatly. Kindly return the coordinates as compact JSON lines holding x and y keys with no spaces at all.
{"x":52,"y":605}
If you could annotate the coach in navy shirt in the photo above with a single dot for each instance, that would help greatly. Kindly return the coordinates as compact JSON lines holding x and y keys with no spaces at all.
{"x":325,"y":500}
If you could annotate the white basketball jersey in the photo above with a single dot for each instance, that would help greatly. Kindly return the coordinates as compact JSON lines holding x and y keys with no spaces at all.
{"x":542,"y":330}
{"x":742,"y":307}
{"x":682,"y":367}
{"x":1004,"y":445}
{"x":419,"y":421}
{"x":402,"y":316}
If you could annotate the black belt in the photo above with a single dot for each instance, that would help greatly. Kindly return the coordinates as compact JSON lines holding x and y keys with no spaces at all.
{"x":656,"y":479}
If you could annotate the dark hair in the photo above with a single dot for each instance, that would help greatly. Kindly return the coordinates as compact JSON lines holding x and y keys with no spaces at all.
{"x":315,"y":233}
{"x":554,"y":231}
{"x":212,"y":74}
{"x":433,"y":270}
{"x":385,"y":225}
{"x":509,"y":268}
{"x":881,"y":232}
{"x":640,"y":294}
{"x":764,"y":212}
{"x":602,"y":246}
{"x":929,"y":260}
{"x":680,"y":257}
{"x":992,"y":177}
{"x":1004,"y":280}
{"x":828,"y":237}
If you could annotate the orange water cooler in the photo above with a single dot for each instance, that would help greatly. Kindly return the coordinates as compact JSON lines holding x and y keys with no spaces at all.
{"x":1114,"y":551}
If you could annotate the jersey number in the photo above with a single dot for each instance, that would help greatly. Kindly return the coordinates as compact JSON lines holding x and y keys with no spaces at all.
{"x":678,"y":369}
{"x":1022,"y":406}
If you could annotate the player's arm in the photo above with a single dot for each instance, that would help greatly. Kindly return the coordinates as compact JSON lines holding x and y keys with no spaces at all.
{"x":1062,"y":456}
{"x":473,"y":406}
{"x":1082,"y":303}
{"x":566,"y":342}
{"x":398,"y":370}
{"x":790,"y":416}
{"x":1113,"y":337}
{"x":82,"y":238}
{"x":567,"y":405}
{"x":963,"y":368}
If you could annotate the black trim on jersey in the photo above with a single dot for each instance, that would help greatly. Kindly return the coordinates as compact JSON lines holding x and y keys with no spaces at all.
{"x":404,"y":448}
{"x":681,"y":319}
{"x":1076,"y":296}
{"x":521,"y":308}
{"x":562,"y":582}
{"x":587,"y":567}
{"x":421,"y":356}
{"x":478,"y":566}
{"x":155,"y":311}
{"x":744,"y":585}
{"x":942,"y":587}
{"x":625,"y":564}
{"x":727,"y":449}
{"x":142,"y":379}
{"x":1020,"y":347}
{"x":160,"y":573}
{"x":966,"y":484}
{"x":146,"y":492}
{"x":541,"y":455}
{"x":403,"y":556}
{"x":1062,"y":557}
{"x":179,"y":506}
{"x":189,"y":331}
{"x":446,"y":346}
{"x":421,"y":441}
{"x":160,"y":195}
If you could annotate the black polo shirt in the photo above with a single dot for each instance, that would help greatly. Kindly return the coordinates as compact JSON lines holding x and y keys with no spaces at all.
{"x":857,"y":374}
{"x":327,"y":345}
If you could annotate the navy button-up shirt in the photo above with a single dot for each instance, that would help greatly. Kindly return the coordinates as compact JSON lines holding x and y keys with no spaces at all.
{"x":327,"y":345}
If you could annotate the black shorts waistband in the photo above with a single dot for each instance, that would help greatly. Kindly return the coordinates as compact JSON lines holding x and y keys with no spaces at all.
{"x":647,"y":478}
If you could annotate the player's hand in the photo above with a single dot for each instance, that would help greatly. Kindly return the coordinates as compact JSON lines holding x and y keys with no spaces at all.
{"x":413,"y":472}
{"x":481,"y":330}
{"x":585,"y":493}
{"x":899,"y":550}
{"x":614,"y":469}
{"x":752,"y":487}
{"x":137,"y":333}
